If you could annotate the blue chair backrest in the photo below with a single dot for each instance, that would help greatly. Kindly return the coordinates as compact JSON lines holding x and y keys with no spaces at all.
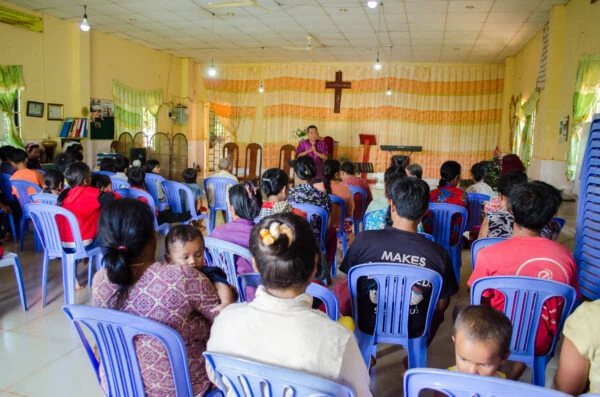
{"x":22,"y":188}
{"x":118,"y":183}
{"x":219,"y":186}
{"x":44,"y":198}
{"x":174,"y":192}
{"x":223,"y":254}
{"x":359,"y":211}
{"x":242,"y":374}
{"x":394,"y":289}
{"x":137,"y":194}
{"x":342,"y":208}
{"x":6,"y":187}
{"x":428,"y":236}
{"x":107,"y":173}
{"x":560,"y":222}
{"x":151,"y":180}
{"x":253,"y":280}
{"x":114,"y":332}
{"x":44,"y":219}
{"x":458,"y":384}
{"x":314,"y":210}
{"x":475,"y":202}
{"x":482,"y":243}
{"x":442,"y":221}
{"x":524,"y":299}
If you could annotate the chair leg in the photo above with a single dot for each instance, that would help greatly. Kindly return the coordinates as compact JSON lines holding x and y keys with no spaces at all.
{"x":22,"y":231}
{"x":20,"y":285}
{"x":417,"y":352}
{"x":45,"y":279}
{"x":91,"y":264}
{"x":538,"y":371}
{"x":69,"y":279}
{"x":11,"y":220}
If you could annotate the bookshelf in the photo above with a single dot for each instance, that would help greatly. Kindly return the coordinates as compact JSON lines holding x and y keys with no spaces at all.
{"x":74,"y":127}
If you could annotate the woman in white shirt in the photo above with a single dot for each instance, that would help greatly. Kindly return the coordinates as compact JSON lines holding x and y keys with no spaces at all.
{"x":279,"y":327}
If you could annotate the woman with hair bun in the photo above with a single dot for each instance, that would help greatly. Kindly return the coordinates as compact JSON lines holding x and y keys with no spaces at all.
{"x":176,"y":295}
{"x":245,"y":202}
{"x":279,"y":327}
{"x":448,"y":193}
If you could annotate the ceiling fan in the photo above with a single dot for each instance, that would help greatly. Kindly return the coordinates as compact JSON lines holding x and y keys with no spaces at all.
{"x":307,"y":47}
{"x":242,"y":3}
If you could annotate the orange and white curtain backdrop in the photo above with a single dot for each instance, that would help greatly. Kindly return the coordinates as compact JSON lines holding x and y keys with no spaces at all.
{"x":452,"y":111}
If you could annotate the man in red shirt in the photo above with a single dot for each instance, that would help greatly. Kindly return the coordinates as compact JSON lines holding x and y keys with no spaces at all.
{"x":527,"y":254}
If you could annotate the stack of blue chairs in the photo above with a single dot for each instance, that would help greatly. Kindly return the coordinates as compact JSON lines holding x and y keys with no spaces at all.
{"x":587,"y":237}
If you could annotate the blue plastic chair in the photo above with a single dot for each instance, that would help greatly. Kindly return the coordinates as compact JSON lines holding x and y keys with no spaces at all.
{"x":151,"y":180}
{"x":311,"y":211}
{"x":245,"y":375}
{"x":44,"y":198}
{"x":6,"y":187}
{"x":458,"y":384}
{"x":337,"y":200}
{"x":224,"y":254}
{"x":12,"y":259}
{"x":324,"y":294}
{"x":442,"y":227}
{"x":482,"y":243}
{"x":118,"y":183}
{"x":173,"y":193}
{"x":219,"y":201}
{"x":44,"y":219}
{"x":137,"y":194}
{"x":561,"y":223}
{"x":363,"y":207}
{"x":22,"y":188}
{"x":475,"y":203}
{"x":114,"y":332}
{"x":428,"y":236}
{"x":107,"y":173}
{"x":394,"y":288}
{"x":524,"y":299}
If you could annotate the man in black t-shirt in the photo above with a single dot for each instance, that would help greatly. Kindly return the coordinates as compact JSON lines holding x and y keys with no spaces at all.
{"x":401,"y":243}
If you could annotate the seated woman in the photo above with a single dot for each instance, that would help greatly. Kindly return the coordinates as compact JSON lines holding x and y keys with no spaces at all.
{"x":244,"y":205}
{"x":579,"y":360}
{"x":33,"y":156}
{"x":448,"y":193}
{"x":478,"y":172}
{"x":184,"y":301}
{"x":348,"y":176}
{"x":274,"y":184}
{"x":331,"y":185}
{"x":279,"y":327}
{"x":499,"y":222}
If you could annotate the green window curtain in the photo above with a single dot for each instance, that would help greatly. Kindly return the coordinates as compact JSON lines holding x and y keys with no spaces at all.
{"x":11,"y":82}
{"x":588,"y":78}
{"x":523,"y":139}
{"x":129,"y":105}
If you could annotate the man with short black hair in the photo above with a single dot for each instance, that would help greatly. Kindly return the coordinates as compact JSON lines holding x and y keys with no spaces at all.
{"x":526,"y":253}
{"x":400,"y":243}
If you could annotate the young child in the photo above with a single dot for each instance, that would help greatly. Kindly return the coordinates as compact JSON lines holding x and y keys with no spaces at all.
{"x":54,"y":182}
{"x":102,"y":182}
{"x":481,"y":341}
{"x":279,"y":327}
{"x":108,"y":164}
{"x":121,"y":166}
{"x":184,"y":245}
{"x":18,"y":159}
{"x":189,"y":177}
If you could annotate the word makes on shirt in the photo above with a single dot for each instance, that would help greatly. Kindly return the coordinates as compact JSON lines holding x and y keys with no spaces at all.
{"x":388,"y":256}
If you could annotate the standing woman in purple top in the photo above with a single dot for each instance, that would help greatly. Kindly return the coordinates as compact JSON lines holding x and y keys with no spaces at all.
{"x":245,"y":202}
{"x":314,"y":148}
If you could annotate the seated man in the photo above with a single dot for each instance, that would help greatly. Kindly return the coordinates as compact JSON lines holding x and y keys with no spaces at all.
{"x":527,"y":254}
{"x":400,"y":243}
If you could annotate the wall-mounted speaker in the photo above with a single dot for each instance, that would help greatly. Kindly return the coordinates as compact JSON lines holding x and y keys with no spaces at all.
{"x":137,"y":154}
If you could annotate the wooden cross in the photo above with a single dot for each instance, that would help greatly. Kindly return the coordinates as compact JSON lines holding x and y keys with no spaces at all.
{"x":339,"y":85}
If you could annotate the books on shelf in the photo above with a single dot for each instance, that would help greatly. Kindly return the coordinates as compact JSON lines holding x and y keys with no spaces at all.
{"x":74,"y":127}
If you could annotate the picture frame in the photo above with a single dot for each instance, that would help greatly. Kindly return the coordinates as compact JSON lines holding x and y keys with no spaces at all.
{"x":55,"y":111}
{"x":35,"y":109}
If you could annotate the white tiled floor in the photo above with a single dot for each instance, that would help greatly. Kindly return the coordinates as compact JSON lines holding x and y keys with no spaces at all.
{"x":40,"y":352}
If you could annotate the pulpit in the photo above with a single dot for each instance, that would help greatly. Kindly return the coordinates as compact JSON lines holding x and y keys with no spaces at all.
{"x":366,"y":141}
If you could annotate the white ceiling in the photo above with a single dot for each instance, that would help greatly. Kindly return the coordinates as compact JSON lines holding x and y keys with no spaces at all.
{"x":343,"y":30}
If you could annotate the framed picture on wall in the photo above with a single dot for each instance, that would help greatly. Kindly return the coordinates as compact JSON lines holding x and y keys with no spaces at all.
{"x":55,"y":111}
{"x":35,"y":109}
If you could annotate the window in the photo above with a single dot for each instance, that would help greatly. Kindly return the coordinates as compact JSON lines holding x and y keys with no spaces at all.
{"x":5,"y":122}
{"x":148,"y":125}
{"x":217,"y":137}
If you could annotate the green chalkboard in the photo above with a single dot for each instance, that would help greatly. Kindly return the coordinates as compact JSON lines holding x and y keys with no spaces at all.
{"x":102,"y":128}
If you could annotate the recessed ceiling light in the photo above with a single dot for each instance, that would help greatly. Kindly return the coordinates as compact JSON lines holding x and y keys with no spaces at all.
{"x":372,"y":3}
{"x":470,"y":6}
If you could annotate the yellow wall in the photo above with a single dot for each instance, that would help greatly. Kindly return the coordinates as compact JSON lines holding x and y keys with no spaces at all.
{"x":574,"y":31}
